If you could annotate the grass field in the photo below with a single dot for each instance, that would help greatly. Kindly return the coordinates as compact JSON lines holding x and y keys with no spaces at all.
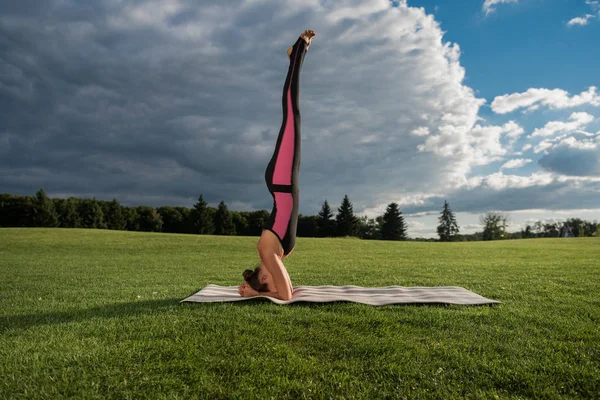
{"x":96,"y":314}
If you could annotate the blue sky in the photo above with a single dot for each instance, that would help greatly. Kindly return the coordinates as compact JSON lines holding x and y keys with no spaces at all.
{"x":489,"y":104}
{"x":527,"y":43}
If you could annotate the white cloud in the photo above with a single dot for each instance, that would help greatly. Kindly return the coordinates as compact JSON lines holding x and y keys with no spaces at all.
{"x":526,"y":147}
{"x":554,"y":99}
{"x":579,"y":144}
{"x":577,"y":120}
{"x":421,"y":131}
{"x":544,"y":145}
{"x":594,"y":4}
{"x":358,"y":10}
{"x":488,"y":5}
{"x":515,"y":163}
{"x":580,"y":20}
{"x":499,"y":181}
{"x":402,"y":199}
{"x":479,"y":145}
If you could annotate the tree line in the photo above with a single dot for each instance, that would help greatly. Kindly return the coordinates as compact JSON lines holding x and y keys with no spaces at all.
{"x":495,"y":228}
{"x":42,"y":211}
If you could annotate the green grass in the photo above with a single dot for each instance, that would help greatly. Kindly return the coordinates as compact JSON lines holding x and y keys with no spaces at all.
{"x":96,"y":314}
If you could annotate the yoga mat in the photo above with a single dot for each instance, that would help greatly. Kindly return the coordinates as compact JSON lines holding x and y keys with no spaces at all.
{"x":375,"y":296}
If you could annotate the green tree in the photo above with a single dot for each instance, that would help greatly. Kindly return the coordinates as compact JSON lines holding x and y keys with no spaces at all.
{"x":240,"y":222}
{"x":91,"y":214}
{"x":59,"y":205}
{"x":132,"y":219}
{"x":589,"y":228}
{"x":346,"y":222}
{"x":325,"y":221}
{"x":149,"y":219}
{"x":370,"y":228}
{"x":393,"y":227}
{"x":494,"y":226}
{"x":256,"y":222}
{"x":538,"y":226}
{"x":201,"y":218}
{"x":551,"y":230}
{"x":114,"y":217}
{"x":186,"y":225}
{"x":17,"y":211}
{"x":223,"y":221}
{"x":69,"y":216}
{"x":307,"y":226}
{"x":5,"y":205}
{"x":44,"y":214}
{"x":448,"y":228}
{"x":527,"y":233}
{"x":171,"y":218}
{"x":576,"y":225}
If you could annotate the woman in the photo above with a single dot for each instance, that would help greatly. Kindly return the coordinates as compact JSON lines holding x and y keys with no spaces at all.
{"x":278,"y":237}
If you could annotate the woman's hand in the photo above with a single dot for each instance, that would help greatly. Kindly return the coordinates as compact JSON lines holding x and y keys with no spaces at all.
{"x":246,"y":291}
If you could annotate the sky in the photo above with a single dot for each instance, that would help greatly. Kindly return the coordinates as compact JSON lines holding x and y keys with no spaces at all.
{"x":492,"y":105}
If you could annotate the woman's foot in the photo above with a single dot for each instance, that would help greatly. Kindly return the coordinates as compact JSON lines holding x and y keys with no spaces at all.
{"x":307,"y":35}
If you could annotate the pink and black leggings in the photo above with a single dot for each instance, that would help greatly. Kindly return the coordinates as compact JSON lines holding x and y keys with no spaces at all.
{"x":282,"y":172}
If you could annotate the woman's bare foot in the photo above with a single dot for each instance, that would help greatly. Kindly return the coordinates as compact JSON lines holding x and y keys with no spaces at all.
{"x":307,"y":35}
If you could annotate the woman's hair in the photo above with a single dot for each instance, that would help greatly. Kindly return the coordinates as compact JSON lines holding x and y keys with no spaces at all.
{"x":252,"y":278}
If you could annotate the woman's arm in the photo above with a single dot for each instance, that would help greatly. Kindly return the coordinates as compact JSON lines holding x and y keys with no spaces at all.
{"x":270,"y":252}
{"x":246,"y":291}
{"x":281,"y":279}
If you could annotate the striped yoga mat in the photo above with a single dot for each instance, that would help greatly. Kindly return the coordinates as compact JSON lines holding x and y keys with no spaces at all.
{"x":375,"y":296}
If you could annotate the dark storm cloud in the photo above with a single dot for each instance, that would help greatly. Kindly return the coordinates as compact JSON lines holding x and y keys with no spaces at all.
{"x":78,"y":96}
{"x":555,"y":196}
{"x":96,"y":97}
{"x":572,"y":161}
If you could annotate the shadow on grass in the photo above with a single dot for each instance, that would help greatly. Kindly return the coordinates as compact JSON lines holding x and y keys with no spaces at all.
{"x":22,"y":322}
{"x":107,"y":311}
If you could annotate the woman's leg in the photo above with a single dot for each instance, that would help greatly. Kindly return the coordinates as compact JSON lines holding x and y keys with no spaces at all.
{"x":281,"y":174}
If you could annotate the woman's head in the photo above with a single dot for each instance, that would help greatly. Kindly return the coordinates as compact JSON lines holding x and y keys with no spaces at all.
{"x":260,"y":279}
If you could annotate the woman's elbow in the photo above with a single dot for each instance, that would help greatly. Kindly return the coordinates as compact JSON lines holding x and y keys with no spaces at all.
{"x":285,"y":296}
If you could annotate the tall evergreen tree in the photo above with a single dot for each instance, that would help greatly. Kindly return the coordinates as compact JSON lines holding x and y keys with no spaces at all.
{"x":114,"y":218}
{"x":201,"y":218}
{"x":223,"y":221}
{"x":393,"y":227}
{"x":44,"y":214}
{"x":346,"y":221}
{"x":325,"y":221}
{"x":448,"y":228}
